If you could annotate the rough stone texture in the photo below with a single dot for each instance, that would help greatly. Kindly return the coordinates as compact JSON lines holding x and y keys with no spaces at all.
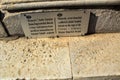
{"x":35,"y":59}
{"x":13,"y":24}
{"x":2,"y":31}
{"x":108,"y":20}
{"x":95,"y":55}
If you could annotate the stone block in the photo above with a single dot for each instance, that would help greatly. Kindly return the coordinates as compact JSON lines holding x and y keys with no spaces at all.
{"x":95,"y":56}
{"x":35,"y":59}
{"x":13,"y":24}
{"x":106,"y":21}
{"x":2,"y":31}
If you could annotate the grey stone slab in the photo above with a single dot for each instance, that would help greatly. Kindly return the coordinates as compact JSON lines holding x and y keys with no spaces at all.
{"x":95,"y":56}
{"x":13,"y":25}
{"x":35,"y":59}
{"x":108,"y":20}
{"x":2,"y":31}
{"x":105,"y":21}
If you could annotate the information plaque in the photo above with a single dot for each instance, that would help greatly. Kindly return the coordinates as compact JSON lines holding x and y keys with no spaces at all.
{"x":52,"y":24}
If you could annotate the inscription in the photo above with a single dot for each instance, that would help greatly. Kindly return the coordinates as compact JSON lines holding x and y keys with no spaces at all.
{"x":51,"y":24}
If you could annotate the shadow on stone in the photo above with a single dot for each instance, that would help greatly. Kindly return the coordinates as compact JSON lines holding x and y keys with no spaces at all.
{"x":92,"y":23}
{"x":3,"y":25}
{"x":1,"y":16}
{"x":113,"y":7}
{"x":4,"y":31}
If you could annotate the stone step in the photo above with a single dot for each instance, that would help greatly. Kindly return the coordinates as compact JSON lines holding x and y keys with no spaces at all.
{"x":91,"y":57}
{"x":94,"y":56}
{"x":35,"y":59}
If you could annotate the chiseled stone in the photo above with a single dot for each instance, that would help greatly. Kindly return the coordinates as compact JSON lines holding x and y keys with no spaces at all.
{"x":108,"y":20}
{"x":13,"y":24}
{"x":94,"y":56}
{"x":35,"y":59}
{"x":2,"y":31}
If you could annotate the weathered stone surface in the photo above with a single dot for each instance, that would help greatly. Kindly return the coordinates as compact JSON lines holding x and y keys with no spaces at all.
{"x":82,"y":2}
{"x":2,"y":31}
{"x":35,"y":59}
{"x":107,"y":21}
{"x":95,"y":55}
{"x":23,"y":1}
{"x":13,"y":25}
